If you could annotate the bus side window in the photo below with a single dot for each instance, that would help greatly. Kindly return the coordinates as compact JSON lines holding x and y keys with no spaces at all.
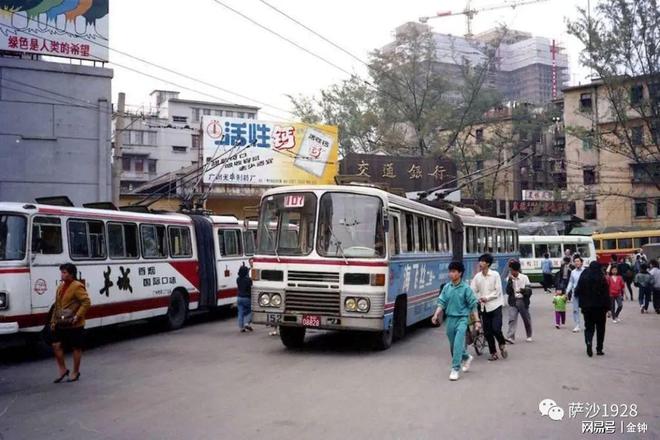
{"x":526,"y":251}
{"x":410,"y":234}
{"x":420,"y":244}
{"x":471,"y":239}
{"x":597,"y":244}
{"x":86,"y":239}
{"x":249,"y":242}
{"x":122,"y":240}
{"x":448,"y":240}
{"x":394,"y":236}
{"x":154,"y":243}
{"x":47,"y":235}
{"x":500,"y":241}
{"x":229,"y":240}
{"x":180,"y":242}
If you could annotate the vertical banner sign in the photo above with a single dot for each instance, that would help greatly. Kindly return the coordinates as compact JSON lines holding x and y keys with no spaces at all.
{"x":59,"y":28}
{"x":252,"y":152}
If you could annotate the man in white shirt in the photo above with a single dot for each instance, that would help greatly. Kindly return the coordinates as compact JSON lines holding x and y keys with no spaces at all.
{"x":570,"y":290}
{"x":487,"y":286}
{"x":518,"y":292}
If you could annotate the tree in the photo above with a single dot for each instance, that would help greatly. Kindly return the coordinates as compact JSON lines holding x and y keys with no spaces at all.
{"x":410,"y":89}
{"x":622,"y":40}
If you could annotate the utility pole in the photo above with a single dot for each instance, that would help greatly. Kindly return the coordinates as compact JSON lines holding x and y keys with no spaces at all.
{"x":117,"y":156}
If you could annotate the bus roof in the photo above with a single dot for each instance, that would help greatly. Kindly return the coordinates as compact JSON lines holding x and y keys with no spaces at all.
{"x":470,"y":218}
{"x":554,"y":239}
{"x":629,"y":234}
{"x":101,"y":214}
{"x":392,"y":200}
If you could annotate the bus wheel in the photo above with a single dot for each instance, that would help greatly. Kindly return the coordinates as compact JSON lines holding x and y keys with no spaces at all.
{"x":292,"y":337}
{"x":400,"y":312}
{"x":177,"y":312}
{"x":383,"y":339}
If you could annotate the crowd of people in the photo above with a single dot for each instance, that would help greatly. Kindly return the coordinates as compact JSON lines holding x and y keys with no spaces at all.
{"x":595,"y":293}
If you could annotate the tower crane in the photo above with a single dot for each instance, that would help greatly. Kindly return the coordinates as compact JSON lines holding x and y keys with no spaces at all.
{"x":470,"y":12}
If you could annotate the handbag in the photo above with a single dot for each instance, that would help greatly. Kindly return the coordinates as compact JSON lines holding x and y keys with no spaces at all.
{"x":64,"y":318}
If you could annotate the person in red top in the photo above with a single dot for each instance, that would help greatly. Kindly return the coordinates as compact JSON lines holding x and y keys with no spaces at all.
{"x":617,"y":286}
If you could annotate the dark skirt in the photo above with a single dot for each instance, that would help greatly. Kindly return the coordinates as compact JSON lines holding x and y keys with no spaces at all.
{"x":72,"y":338}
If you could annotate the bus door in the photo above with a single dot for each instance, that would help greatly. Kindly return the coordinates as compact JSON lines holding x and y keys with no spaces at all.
{"x":47,"y":253}
{"x":230,"y":257}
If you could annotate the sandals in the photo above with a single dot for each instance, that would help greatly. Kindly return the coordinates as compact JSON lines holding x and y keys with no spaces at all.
{"x":61,"y":378}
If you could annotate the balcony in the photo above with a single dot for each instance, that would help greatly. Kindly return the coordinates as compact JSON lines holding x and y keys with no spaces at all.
{"x":138,"y":176}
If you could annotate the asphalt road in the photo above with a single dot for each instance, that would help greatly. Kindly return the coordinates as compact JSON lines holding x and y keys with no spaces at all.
{"x":208,"y":381}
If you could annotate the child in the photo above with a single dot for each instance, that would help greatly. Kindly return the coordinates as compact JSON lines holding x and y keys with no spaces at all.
{"x":244,"y":302}
{"x":617,"y":286}
{"x":457,"y":301}
{"x":559,"y":301}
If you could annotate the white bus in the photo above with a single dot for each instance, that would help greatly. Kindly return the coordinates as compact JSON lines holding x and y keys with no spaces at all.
{"x":534,"y":247}
{"x":135,"y":265}
{"x":358,"y":258}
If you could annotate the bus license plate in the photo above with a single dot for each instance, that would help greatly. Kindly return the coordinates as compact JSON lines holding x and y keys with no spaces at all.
{"x":311,"y":321}
{"x":273,"y":318}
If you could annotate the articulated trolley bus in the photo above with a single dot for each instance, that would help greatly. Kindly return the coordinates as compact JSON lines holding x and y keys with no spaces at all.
{"x":534,"y":247}
{"x":359,"y":258}
{"x":623,"y":244}
{"x":134,"y":265}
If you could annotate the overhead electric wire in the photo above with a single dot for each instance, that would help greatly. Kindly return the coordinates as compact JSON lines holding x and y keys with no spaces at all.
{"x":164,"y":68}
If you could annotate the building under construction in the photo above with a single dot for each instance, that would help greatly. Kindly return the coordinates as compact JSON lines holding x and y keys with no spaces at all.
{"x":522,"y":67}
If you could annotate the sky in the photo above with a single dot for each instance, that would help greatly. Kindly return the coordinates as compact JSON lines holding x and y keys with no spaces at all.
{"x":208,"y":42}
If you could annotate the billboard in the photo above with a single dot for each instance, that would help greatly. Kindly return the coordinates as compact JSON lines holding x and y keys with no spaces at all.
{"x":410,"y":174}
{"x":60,"y":28}
{"x":255,"y":152}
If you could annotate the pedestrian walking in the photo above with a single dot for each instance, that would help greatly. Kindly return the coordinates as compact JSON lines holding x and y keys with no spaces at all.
{"x":457,"y":301}
{"x":487,"y":286}
{"x":244,"y":301}
{"x":655,"y":294}
{"x":546,"y":268}
{"x":519,"y":291}
{"x":626,"y":271}
{"x":570,"y":290}
{"x":645,"y":282}
{"x":593,"y":291}
{"x":67,"y":321}
{"x":638,"y":263}
{"x":564,"y":274}
{"x":617,"y":290}
{"x":559,"y":302}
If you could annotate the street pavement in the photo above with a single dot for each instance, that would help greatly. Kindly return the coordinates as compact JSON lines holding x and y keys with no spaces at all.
{"x":208,"y":381}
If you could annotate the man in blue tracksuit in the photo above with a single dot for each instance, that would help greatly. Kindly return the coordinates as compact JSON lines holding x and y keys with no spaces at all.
{"x":458,"y":301}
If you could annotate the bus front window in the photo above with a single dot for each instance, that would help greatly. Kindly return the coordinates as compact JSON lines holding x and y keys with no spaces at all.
{"x":286,"y":224}
{"x":12,"y":237}
{"x":351,"y":226}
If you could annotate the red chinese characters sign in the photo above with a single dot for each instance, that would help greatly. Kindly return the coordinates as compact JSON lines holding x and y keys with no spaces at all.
{"x":71,"y":29}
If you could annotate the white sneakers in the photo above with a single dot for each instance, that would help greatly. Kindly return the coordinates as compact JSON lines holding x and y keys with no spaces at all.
{"x":530,"y":339}
{"x":465,"y":365}
{"x":576,"y":329}
{"x":453,"y":375}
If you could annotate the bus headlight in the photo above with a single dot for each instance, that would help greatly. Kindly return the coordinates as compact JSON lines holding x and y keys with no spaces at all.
{"x":264,"y":300}
{"x":350,"y":304}
{"x":363,"y":305}
{"x":4,"y":301}
{"x":275,"y":300}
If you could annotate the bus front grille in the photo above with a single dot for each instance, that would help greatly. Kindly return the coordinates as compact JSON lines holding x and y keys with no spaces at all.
{"x":322,"y":303}
{"x":320,"y":277}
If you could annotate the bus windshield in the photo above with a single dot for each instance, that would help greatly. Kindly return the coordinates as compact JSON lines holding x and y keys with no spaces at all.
{"x":286,"y":224}
{"x":12,"y":237}
{"x":350,"y":226}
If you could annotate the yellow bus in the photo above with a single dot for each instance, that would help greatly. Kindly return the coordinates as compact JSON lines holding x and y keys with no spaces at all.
{"x":623,"y":244}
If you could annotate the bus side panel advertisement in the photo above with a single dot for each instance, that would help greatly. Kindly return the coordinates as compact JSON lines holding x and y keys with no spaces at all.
{"x":263,"y":153}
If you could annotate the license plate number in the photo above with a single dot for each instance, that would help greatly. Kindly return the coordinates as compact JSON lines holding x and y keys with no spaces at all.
{"x":273,"y":318}
{"x":311,"y":321}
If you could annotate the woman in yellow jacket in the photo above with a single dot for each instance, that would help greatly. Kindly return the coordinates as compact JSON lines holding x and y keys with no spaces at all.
{"x":68,"y":321}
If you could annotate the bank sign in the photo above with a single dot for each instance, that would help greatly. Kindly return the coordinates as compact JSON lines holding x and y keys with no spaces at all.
{"x":59,"y":28}
{"x":254,"y":152}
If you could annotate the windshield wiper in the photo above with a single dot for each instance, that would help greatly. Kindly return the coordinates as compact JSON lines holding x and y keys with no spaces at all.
{"x":339,"y":246}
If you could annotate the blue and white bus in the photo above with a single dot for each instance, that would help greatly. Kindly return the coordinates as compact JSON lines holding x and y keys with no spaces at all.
{"x":359,"y":258}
